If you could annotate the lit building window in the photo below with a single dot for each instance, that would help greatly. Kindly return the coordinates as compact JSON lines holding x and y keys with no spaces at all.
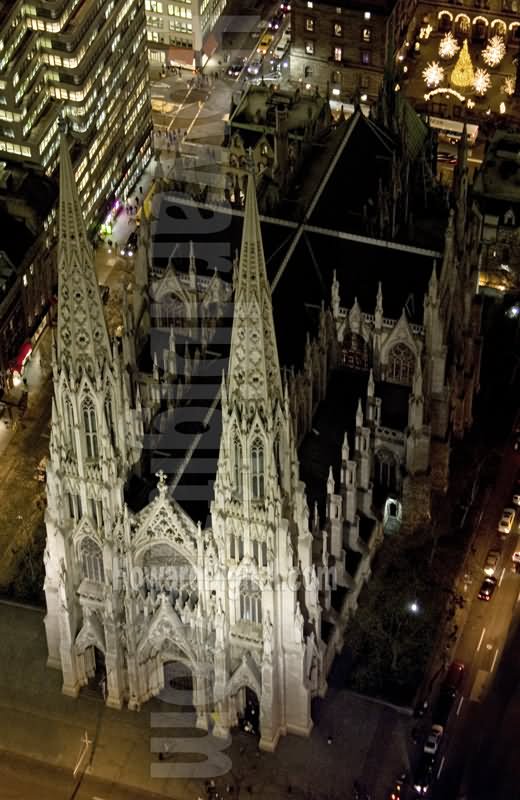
{"x":338,"y":54}
{"x":310,"y":4}
{"x":365,"y":57}
{"x":24,"y":279}
{"x":367,"y":15}
{"x":309,"y":24}
{"x":367,"y":34}
{"x":309,"y":48}
{"x":337,"y":29}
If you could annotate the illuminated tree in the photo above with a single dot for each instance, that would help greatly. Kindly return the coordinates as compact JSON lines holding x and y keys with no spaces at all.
{"x":463,"y":74}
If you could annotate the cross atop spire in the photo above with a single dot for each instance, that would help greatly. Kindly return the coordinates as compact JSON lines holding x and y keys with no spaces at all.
{"x":254,"y":370}
{"x":82,"y":333}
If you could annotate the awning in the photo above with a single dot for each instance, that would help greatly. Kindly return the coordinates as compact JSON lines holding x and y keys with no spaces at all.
{"x":180,"y":56}
{"x":20,"y":360}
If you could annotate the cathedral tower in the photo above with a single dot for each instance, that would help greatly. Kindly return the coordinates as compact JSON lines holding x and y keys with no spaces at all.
{"x":95,"y":438}
{"x":260,"y":516}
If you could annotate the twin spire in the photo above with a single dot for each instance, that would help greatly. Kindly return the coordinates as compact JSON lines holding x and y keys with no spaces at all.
{"x":83,"y":340}
{"x":254,"y":369}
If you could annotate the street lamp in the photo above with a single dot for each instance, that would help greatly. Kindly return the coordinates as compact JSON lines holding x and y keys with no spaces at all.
{"x":414,"y":607}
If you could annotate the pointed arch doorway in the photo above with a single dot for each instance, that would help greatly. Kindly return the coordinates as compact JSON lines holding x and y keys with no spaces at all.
{"x":96,"y":671}
{"x":178,"y":685}
{"x":248,"y":710}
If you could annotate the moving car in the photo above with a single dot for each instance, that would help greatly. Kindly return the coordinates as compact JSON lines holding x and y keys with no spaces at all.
{"x":265,"y":43}
{"x":235,"y":69}
{"x":516,"y":496}
{"x":254,"y":66}
{"x":131,"y":245}
{"x":276,"y":21}
{"x":516,"y":557}
{"x":506,"y":520}
{"x":445,"y":157}
{"x":285,"y":8}
{"x":424,"y":776}
{"x":433,"y":740}
{"x":491,"y":562}
{"x":487,"y":589}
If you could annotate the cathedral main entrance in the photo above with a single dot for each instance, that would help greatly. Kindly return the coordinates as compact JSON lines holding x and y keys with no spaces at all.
{"x":178,"y":686}
{"x":248,"y":711}
{"x":97,"y":674}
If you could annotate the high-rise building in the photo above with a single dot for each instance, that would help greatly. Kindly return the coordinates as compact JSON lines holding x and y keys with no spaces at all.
{"x":180,"y":32}
{"x":86,"y":59}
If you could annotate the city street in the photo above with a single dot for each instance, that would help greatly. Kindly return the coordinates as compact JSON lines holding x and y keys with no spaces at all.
{"x":482,"y":644}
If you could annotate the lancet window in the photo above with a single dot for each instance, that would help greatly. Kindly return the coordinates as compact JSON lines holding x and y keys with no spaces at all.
{"x":237,"y":467}
{"x":257,"y":470}
{"x":90,"y":428}
{"x":250,"y":601}
{"x":401,"y":364}
{"x":92,"y":561}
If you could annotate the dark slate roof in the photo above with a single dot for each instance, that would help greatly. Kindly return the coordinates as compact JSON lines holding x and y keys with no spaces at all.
{"x":322,"y":448}
{"x":394,"y":405}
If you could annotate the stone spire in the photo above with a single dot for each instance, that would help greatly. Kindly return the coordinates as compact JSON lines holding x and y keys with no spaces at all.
{"x":254,"y":370}
{"x":82,"y":333}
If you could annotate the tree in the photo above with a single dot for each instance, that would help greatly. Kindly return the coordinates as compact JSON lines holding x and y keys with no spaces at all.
{"x":463,"y":74}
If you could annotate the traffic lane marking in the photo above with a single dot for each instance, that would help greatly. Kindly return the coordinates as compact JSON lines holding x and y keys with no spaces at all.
{"x":441,"y":767}
{"x":480,"y":640}
{"x":502,"y":576}
{"x":494,"y":660}
{"x":459,"y":706}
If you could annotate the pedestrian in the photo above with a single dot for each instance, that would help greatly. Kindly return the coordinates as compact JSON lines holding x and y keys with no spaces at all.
{"x":329,"y":740}
{"x":141,"y":189}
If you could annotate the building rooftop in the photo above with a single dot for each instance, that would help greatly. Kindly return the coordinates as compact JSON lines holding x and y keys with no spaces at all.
{"x":499,"y":176}
{"x":375,"y":6}
{"x":258,"y":104}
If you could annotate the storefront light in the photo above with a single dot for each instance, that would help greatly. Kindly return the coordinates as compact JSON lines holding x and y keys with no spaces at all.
{"x":335,"y":92}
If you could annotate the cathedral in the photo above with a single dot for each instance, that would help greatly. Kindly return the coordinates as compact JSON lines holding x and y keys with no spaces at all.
{"x":212,"y":507}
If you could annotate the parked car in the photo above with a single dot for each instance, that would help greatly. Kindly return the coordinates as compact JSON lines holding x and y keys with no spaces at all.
{"x":516,"y":557}
{"x":442,"y":708}
{"x":445,"y":157}
{"x":433,"y":740}
{"x":506,"y":520}
{"x":487,"y":589}
{"x":491,"y":562}
{"x":454,"y":676}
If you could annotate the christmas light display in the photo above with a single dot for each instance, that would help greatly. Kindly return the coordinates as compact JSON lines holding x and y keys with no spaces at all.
{"x":509,"y":85}
{"x":482,"y":82}
{"x":433,"y":74}
{"x":494,"y":52}
{"x":463,"y":74}
{"x":448,"y":46}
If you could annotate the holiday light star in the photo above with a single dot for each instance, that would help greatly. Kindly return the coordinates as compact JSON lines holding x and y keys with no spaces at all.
{"x":433,"y":74}
{"x":494,"y":52}
{"x":448,"y":46}
{"x":482,"y":82}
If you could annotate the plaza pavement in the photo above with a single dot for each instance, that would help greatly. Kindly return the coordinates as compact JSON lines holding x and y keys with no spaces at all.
{"x":370,"y":742}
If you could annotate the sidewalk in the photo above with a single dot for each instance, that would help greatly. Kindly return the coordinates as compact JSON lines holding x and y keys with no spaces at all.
{"x":23,"y":445}
{"x":369,"y":742}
